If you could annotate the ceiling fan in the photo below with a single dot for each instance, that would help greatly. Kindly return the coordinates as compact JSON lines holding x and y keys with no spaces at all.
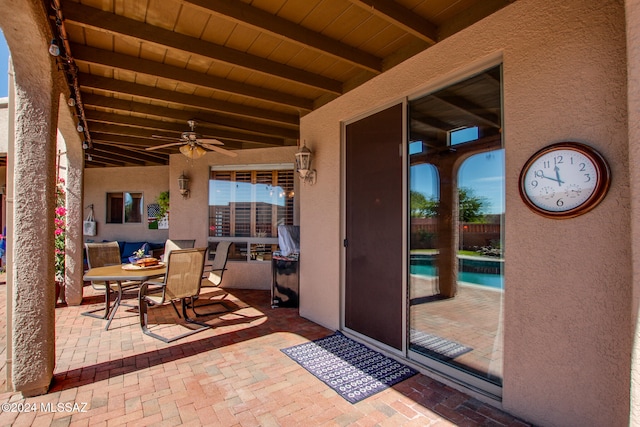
{"x":193,"y":145}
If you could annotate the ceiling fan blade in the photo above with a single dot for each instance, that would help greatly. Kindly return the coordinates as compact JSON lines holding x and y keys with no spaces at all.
{"x":219,"y":150}
{"x":210,"y":141}
{"x":156,"y":147}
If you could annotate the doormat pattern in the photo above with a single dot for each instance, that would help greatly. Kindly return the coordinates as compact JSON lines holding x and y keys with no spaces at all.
{"x":352,"y":369}
{"x":438,"y":347}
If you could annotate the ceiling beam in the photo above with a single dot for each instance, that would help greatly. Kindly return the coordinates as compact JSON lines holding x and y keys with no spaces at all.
{"x":101,"y":150}
{"x":173,"y":114}
{"x":469,"y":108}
{"x":106,"y":58}
{"x":94,"y":164}
{"x":145,"y":128}
{"x":432,"y":122}
{"x":481,"y":145}
{"x":139,"y":145}
{"x":180,"y":98}
{"x":134,"y":154}
{"x":428,"y":141}
{"x":266,"y":22}
{"x":470,"y":15}
{"x":90,"y":17}
{"x":105,"y":158}
{"x":160,"y":156}
{"x":121,"y":140}
{"x":401,"y":17}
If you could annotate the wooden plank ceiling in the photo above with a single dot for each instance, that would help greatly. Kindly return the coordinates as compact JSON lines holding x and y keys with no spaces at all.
{"x":244,"y":70}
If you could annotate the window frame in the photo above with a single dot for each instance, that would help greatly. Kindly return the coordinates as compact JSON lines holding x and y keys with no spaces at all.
{"x":123,"y":217}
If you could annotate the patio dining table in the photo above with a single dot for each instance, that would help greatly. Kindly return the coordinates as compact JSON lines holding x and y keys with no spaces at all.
{"x":118,"y":274}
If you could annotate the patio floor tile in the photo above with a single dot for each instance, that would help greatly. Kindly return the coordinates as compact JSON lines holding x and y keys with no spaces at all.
{"x":231,"y":375}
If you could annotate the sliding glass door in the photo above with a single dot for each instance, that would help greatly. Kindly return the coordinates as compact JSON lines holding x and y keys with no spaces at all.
{"x":456,"y":208}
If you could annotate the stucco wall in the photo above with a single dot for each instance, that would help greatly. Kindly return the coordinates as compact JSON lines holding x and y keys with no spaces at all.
{"x":189,"y":217}
{"x":149,"y":180}
{"x":567,"y":298}
{"x":632,"y":12}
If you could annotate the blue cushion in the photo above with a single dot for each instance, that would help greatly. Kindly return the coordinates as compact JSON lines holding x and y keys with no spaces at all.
{"x":130,"y":247}
{"x":153,"y":246}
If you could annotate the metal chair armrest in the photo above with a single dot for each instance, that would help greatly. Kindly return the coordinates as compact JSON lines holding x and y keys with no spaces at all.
{"x":151,"y":287}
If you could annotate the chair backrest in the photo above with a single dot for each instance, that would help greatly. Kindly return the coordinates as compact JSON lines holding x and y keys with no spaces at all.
{"x":171,"y":245}
{"x":219,"y":263}
{"x":184,"y":273}
{"x":102,"y":254}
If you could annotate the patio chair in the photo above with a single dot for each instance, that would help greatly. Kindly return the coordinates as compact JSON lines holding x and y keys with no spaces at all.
{"x":213,"y":275}
{"x":171,"y":245}
{"x":181,"y":282}
{"x":102,"y":255}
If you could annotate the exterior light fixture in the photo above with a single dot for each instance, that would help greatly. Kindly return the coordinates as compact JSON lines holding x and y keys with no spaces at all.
{"x":80,"y":128}
{"x":89,"y":158}
{"x":303,"y":165}
{"x":71,"y":102}
{"x":85,"y":145}
{"x":54,"y":49}
{"x":183,"y":185}
{"x":193,"y":151}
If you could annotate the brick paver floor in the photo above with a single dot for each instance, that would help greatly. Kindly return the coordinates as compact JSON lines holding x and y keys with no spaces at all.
{"x":231,"y":375}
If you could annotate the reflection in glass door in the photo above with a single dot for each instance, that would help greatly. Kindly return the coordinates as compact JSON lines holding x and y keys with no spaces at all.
{"x":456,"y":227}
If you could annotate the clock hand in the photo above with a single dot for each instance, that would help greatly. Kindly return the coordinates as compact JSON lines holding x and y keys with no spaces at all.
{"x":552,"y":179}
{"x":557,"y":169}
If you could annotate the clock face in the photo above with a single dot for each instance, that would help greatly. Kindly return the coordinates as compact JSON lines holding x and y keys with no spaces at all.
{"x":564,"y":180}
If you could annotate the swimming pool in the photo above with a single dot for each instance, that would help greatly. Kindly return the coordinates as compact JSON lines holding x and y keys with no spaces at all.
{"x":422,"y":265}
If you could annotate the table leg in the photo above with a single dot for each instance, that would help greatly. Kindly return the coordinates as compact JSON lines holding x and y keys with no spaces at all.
{"x":116,"y":304}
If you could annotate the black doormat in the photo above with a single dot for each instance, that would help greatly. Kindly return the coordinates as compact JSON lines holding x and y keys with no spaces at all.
{"x":438,"y":347}
{"x":352,"y":369}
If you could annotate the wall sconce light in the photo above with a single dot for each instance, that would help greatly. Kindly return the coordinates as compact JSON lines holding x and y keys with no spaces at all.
{"x":183,"y":185}
{"x":54,"y":49}
{"x":80,"y":128}
{"x":85,"y":146}
{"x":71,"y":102}
{"x":303,"y":165}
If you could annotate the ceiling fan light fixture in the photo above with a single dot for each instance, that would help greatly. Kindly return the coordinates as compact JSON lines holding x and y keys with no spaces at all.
{"x":193,"y":151}
{"x":201,"y":151}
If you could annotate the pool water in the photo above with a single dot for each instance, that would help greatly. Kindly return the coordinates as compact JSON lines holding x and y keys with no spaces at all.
{"x":483,"y":279}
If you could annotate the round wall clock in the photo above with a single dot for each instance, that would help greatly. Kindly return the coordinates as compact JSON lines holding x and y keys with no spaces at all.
{"x":564,"y":180}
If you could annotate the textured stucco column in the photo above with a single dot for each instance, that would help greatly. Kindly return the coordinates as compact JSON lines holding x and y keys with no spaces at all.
{"x":633,"y":91}
{"x":33,"y":296}
{"x":74,"y":187}
{"x":74,"y":268}
{"x":32,"y":305}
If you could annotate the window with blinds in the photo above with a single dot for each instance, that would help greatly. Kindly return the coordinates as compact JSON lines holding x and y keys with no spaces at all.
{"x":250,"y":203}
